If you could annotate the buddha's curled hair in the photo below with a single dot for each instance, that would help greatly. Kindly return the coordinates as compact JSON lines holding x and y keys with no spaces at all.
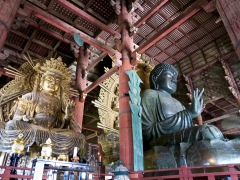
{"x":159,"y":70}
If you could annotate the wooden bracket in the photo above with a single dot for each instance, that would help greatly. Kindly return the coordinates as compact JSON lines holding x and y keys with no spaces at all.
{"x":117,"y":58}
{"x":135,"y":58}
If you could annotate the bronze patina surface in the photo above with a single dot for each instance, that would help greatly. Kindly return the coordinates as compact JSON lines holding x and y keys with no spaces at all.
{"x":167,"y":126}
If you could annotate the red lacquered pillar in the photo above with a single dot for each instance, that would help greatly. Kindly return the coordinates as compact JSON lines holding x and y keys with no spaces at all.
{"x":8,"y":11}
{"x":125,"y":119}
{"x":81,"y":81}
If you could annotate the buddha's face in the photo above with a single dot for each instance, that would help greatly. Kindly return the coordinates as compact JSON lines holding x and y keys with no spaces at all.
{"x":167,"y":82}
{"x":51,"y":84}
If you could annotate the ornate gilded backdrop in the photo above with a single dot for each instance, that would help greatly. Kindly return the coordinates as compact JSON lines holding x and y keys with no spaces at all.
{"x":22,"y":84}
{"x":108,"y":107}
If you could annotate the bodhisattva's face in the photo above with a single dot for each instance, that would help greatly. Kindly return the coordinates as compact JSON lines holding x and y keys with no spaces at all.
{"x":167,"y":82}
{"x":51,"y":84}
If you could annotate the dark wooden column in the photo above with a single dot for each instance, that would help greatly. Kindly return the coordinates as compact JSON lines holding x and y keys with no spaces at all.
{"x":81,"y":80}
{"x":125,"y":119}
{"x":229,"y":11}
{"x":8,"y":11}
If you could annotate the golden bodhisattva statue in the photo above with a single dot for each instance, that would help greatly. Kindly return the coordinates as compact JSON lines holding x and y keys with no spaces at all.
{"x":46,"y":111}
{"x":43,"y":106}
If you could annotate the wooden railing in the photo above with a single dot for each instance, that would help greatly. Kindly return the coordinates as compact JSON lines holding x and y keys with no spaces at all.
{"x":219,"y":172}
{"x":28,"y":173}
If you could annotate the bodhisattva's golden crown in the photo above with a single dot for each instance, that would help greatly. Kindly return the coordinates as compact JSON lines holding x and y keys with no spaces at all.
{"x":55,"y":66}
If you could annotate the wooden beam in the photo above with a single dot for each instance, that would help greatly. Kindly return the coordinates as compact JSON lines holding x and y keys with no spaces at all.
{"x":101,"y":79}
{"x":49,"y":32}
{"x":208,"y":65}
{"x":68,"y":28}
{"x":91,"y":136}
{"x":5,"y":73}
{"x":94,"y":129}
{"x":189,"y":12}
{"x":197,"y":71}
{"x":96,"y":61}
{"x":232,"y":131}
{"x":88,"y":5}
{"x":79,"y":3}
{"x":149,"y":14}
{"x":87,"y":17}
{"x":42,"y":44}
{"x":234,"y":114}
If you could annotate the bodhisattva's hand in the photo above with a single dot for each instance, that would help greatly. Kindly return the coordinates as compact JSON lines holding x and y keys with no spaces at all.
{"x":69,"y":110}
{"x":197,"y":103}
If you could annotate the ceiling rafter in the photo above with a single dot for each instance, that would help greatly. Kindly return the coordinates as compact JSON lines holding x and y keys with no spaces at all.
{"x":54,"y":48}
{"x":29,"y":41}
{"x":219,"y":107}
{"x":232,"y":131}
{"x":189,"y":54}
{"x":197,"y":71}
{"x":87,"y":17}
{"x":234,"y":114}
{"x":90,"y":10}
{"x":52,"y":33}
{"x":88,"y":5}
{"x":42,"y":44}
{"x":68,"y":28}
{"x":20,"y":34}
{"x":230,"y":102}
{"x":148,"y":15}
{"x":189,"y":12}
{"x":14,"y":46}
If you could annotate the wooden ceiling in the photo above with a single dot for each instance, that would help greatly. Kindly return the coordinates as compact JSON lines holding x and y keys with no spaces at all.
{"x":180,"y":32}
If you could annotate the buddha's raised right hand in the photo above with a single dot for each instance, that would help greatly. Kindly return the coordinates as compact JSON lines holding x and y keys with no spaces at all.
{"x":197,"y":103}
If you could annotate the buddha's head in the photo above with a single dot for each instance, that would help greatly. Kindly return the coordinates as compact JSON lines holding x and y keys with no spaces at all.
{"x":55,"y":75}
{"x":164,"y":78}
{"x":50,"y":82}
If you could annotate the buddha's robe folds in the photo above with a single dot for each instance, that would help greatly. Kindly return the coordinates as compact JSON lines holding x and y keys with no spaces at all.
{"x":165,"y":120}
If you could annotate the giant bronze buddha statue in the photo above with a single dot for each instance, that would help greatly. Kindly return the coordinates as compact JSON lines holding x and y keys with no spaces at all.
{"x":167,"y":125}
{"x":46,"y":111}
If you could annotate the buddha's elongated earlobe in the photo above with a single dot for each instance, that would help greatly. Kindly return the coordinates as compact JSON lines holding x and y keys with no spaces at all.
{"x":154,"y":82}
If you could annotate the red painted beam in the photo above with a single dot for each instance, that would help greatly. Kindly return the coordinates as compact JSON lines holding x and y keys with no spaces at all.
{"x":52,"y":33}
{"x":101,"y":79}
{"x":96,"y":61}
{"x":232,"y":131}
{"x":87,"y":17}
{"x":188,"y":13}
{"x":61,"y":38}
{"x":68,"y":28}
{"x":148,"y":15}
{"x":221,"y":117}
{"x":5,"y":73}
